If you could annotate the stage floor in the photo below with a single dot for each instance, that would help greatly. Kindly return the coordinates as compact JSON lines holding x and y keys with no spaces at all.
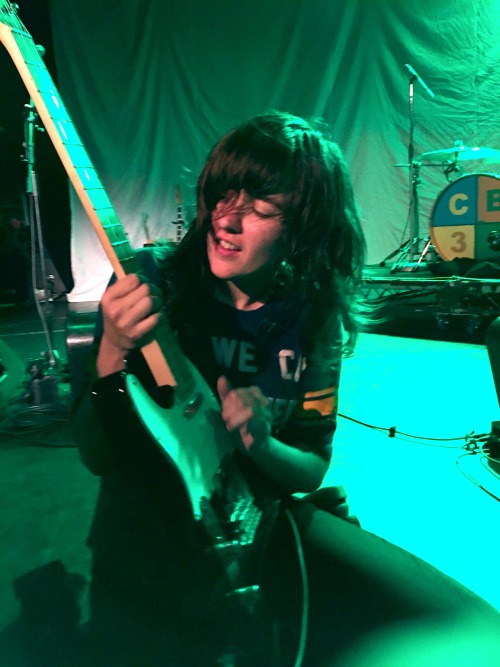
{"x":431,"y":495}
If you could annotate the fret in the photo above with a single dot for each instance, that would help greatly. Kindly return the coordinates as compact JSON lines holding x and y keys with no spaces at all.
{"x":67,"y":132}
{"x":53,"y":103}
{"x":130,"y":265}
{"x":88,"y":178}
{"x":43,"y":80}
{"x":19,"y":31}
{"x":57,"y":112}
{"x":100,"y":200}
{"x":79,"y":156}
{"x":116,"y":236}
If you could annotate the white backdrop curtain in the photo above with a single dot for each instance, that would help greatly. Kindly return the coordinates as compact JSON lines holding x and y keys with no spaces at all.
{"x":152,"y":84}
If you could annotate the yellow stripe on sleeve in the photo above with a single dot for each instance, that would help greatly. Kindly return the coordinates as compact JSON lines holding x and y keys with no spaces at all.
{"x":317,"y":404}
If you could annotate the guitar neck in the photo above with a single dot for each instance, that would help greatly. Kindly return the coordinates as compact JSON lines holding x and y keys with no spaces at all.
{"x":66,"y":141}
{"x":84,"y":178}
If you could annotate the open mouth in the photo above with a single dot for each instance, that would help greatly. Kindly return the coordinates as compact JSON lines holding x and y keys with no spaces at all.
{"x":226,"y":245}
{"x":225,"y":248}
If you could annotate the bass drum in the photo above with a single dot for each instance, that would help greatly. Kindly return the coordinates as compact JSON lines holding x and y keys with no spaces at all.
{"x":464,"y":215}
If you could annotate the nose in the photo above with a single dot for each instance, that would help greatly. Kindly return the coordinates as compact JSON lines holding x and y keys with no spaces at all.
{"x":228,"y":214}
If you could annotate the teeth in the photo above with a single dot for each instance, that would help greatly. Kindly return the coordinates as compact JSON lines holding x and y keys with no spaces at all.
{"x":227,"y":245}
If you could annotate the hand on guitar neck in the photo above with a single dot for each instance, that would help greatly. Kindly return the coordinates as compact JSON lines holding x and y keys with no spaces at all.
{"x":131,"y":311}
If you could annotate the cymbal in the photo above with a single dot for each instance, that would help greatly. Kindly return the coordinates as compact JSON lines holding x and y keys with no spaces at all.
{"x":461,"y":153}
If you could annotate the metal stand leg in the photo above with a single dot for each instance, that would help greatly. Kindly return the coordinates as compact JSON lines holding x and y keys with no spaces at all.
{"x":408,"y":251}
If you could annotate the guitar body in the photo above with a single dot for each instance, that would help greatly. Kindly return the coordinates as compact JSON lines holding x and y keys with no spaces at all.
{"x":194,"y":440}
{"x":190,"y":433}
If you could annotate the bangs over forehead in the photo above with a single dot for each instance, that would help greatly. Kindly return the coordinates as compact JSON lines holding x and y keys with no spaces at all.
{"x":259,"y":157}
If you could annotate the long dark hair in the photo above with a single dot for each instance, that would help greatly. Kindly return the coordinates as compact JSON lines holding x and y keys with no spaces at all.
{"x":280,"y":153}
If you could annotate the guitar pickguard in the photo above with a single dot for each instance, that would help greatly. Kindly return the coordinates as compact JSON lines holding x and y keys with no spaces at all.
{"x":191,"y":434}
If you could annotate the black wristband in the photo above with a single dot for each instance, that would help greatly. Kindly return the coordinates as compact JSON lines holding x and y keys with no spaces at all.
{"x":106,"y":390}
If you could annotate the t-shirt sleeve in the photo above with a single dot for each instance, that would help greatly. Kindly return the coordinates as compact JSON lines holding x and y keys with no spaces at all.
{"x":314,"y":420}
{"x":312,"y":424}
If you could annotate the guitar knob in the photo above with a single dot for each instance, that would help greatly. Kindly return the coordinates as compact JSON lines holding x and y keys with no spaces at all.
{"x":193,"y":405}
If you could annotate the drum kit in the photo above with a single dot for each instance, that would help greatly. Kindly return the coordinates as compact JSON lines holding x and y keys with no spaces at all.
{"x":465,"y":218}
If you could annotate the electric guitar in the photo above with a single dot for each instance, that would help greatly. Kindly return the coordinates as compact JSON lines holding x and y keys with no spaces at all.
{"x":190,"y":433}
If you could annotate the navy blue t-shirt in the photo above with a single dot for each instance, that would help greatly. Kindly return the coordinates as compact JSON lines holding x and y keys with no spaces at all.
{"x":221,"y":340}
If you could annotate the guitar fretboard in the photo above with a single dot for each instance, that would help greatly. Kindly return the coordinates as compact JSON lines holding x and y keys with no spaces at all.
{"x":88,"y":186}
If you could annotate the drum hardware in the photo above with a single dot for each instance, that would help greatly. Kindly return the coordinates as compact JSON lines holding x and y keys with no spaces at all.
{"x":493,"y":241}
{"x":451,"y":167}
{"x":411,"y":253}
{"x":407,"y":252}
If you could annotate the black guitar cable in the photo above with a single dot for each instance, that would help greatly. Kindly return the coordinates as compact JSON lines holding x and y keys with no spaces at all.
{"x":305,"y":592}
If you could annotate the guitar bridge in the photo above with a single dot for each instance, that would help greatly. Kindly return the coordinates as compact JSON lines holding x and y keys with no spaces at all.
{"x":244,"y":521}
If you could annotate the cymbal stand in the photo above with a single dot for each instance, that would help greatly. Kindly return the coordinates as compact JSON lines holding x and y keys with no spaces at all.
{"x":408,"y":250}
{"x":451,"y":167}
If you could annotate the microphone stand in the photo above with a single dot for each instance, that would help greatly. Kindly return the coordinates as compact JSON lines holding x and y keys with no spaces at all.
{"x":30,"y":126}
{"x":414,"y":176}
{"x":410,"y":248}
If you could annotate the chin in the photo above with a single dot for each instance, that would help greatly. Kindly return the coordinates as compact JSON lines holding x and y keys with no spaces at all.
{"x":222,"y":273}
{"x":220,"y":268}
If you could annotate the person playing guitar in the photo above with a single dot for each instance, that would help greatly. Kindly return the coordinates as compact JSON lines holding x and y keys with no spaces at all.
{"x":262,"y":295}
{"x":209,"y":414}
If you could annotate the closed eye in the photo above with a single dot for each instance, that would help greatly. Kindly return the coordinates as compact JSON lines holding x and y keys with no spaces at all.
{"x":266,"y":216}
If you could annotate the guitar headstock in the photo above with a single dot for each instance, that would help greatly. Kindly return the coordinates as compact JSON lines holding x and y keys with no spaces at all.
{"x":11,"y":27}
{"x":8,"y":14}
